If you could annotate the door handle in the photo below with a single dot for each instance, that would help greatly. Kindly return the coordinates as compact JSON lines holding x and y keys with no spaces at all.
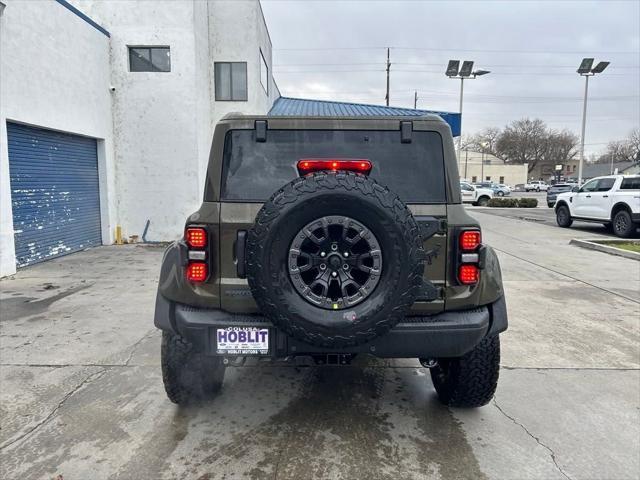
{"x":587,"y":196}
{"x":605,"y":196}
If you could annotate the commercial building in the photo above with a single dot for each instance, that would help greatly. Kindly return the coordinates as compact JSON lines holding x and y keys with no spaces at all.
{"x":483,"y":167}
{"x":107,"y":111}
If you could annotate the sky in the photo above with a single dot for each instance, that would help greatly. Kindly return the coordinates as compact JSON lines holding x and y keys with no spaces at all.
{"x":336,"y":50}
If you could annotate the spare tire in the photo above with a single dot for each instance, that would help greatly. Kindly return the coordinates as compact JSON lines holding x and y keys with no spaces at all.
{"x":335,"y":259}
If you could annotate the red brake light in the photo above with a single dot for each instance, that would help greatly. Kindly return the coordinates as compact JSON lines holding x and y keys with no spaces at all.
{"x":468,"y":274}
{"x":197,"y":272}
{"x":196,"y":237}
{"x":470,"y":240}
{"x":309,"y":165}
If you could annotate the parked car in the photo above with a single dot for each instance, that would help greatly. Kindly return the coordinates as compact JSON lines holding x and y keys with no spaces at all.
{"x":327,"y":238}
{"x":508,"y":187}
{"x":536,"y":185}
{"x":498,"y":190}
{"x":554,"y":190}
{"x":613,"y":200}
{"x":475,"y":195}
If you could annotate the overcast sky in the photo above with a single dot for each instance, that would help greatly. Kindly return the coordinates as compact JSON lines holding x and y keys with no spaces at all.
{"x":335,"y":50}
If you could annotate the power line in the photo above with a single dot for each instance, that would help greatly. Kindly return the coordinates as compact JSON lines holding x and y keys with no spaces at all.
{"x":475,"y":50}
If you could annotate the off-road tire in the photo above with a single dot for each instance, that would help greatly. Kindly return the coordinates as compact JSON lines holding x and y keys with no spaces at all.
{"x":471,"y":380}
{"x":188,"y":375}
{"x":483,"y":201}
{"x":563,"y":216}
{"x":623,"y":226}
{"x":322,"y":194}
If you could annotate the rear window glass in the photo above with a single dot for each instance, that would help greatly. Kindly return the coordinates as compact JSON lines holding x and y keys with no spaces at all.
{"x":253,"y":171}
{"x":632,"y":183}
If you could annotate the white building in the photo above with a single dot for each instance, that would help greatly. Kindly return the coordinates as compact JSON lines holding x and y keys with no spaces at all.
{"x":111,"y":106}
{"x":477,"y":167}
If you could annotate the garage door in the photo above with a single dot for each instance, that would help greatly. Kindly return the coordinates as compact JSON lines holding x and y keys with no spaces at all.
{"x":54,"y":193}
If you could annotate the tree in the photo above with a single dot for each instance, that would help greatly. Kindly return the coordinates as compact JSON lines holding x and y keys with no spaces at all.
{"x":484,"y":141}
{"x":625,"y":150}
{"x":523,"y":141}
{"x":561,"y":147}
{"x":530,"y":141}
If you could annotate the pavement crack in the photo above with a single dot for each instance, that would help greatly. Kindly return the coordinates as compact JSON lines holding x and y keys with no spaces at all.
{"x":135,"y":346}
{"x":52,"y":414}
{"x":537,"y":439}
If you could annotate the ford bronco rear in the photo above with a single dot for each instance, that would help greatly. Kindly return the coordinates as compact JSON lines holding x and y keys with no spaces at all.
{"x":327,"y":238}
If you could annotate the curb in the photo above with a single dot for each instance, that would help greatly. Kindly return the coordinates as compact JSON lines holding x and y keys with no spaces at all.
{"x":592,"y":245}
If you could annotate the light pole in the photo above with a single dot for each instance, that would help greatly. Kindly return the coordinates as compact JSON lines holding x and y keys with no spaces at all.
{"x":586,"y":71}
{"x":466,"y":72}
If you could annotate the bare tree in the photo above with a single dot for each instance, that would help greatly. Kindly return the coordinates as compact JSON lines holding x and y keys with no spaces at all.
{"x":523,"y":141}
{"x":484,"y":141}
{"x":625,"y":150}
{"x":560,"y":147}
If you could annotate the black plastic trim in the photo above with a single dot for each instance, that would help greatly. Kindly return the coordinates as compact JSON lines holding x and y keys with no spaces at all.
{"x":241,"y":248}
{"x":448,"y":334}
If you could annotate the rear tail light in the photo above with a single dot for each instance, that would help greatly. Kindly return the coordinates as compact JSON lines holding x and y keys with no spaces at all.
{"x":197,"y":272}
{"x":310,"y":165}
{"x":196,"y":237}
{"x":470,"y":240}
{"x":468,"y":274}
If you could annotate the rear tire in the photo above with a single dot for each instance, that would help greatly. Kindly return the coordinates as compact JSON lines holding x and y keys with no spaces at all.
{"x":501,"y":194}
{"x":482,"y":201}
{"x":187,"y":374}
{"x":623,"y":226}
{"x":471,"y":380}
{"x":563,"y":216}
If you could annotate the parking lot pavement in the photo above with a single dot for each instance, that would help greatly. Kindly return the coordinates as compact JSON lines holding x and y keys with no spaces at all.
{"x":82,"y":394}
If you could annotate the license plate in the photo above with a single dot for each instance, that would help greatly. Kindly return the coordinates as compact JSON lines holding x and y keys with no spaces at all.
{"x":242,"y":341}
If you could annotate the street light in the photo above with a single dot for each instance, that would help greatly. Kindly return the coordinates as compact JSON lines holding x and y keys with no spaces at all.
{"x":586,"y":69}
{"x":466,"y":72}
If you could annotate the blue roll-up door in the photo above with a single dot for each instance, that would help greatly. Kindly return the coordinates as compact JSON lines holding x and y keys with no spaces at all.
{"x":54,"y":193}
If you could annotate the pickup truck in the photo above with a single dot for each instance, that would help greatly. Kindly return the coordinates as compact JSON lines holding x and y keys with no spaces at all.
{"x":475,"y":195}
{"x":613,"y":200}
{"x":538,"y":186}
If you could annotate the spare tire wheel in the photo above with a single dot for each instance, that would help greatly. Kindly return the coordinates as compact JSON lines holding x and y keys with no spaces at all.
{"x":335,"y":259}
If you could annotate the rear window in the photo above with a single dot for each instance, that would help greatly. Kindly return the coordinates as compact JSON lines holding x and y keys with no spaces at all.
{"x":252,"y":171}
{"x":632,"y":183}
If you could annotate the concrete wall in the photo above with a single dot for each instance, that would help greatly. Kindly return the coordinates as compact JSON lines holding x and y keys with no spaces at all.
{"x":54,"y":73}
{"x":475,"y":164}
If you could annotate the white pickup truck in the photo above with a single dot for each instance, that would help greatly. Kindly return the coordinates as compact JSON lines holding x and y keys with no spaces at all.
{"x":613,"y":200}
{"x":536,"y":185}
{"x":475,"y":195}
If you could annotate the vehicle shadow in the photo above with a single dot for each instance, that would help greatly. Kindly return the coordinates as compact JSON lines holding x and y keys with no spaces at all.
{"x":372,"y":420}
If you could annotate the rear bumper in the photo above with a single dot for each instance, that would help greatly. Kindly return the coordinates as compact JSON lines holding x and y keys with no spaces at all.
{"x":448,"y":334}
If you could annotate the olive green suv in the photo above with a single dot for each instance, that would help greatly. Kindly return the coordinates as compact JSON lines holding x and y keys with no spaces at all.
{"x":327,"y":238}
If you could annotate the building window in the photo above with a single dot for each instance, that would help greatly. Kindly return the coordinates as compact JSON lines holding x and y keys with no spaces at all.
{"x":474,"y":179}
{"x":264,"y":73}
{"x":501,"y":181}
{"x":231,"y":81}
{"x":149,"y":59}
{"x":487,"y":178}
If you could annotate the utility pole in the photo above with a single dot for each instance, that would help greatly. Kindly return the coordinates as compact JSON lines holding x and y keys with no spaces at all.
{"x":415,"y":100}
{"x":388,"y":69}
